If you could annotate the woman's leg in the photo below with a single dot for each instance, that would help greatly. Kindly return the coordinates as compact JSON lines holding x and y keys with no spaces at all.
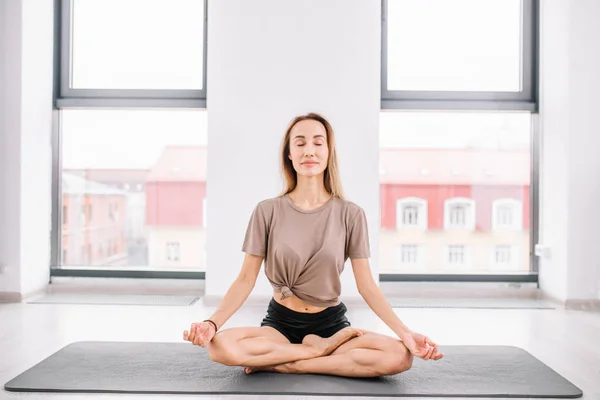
{"x":368,"y":355}
{"x":265,"y":346}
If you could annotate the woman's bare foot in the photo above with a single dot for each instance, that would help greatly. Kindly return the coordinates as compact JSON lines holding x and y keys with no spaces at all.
{"x":326,"y":346}
{"x":282,"y":369}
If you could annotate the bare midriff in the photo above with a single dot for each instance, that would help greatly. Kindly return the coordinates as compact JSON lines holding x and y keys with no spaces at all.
{"x":294,"y":303}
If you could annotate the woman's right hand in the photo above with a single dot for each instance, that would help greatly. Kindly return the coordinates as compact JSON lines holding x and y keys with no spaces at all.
{"x":200,"y":334}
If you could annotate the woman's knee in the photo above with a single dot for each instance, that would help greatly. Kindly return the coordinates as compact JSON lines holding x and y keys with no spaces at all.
{"x":222,"y":350}
{"x":399,"y":360}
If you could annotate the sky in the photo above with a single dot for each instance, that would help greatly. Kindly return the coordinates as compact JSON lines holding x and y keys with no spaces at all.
{"x":162,"y":52}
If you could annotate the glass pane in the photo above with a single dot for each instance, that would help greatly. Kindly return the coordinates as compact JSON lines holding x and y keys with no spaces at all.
{"x":462,"y":45}
{"x":455,"y":186}
{"x":133,"y":189}
{"x":137,"y":44}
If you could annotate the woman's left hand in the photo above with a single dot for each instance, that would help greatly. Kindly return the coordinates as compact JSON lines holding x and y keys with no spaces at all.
{"x":421,"y":346}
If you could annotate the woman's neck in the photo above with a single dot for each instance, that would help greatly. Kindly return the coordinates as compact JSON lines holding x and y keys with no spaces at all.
{"x":309,"y":193}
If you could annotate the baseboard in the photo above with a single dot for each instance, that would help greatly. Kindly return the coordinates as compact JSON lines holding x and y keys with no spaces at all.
{"x":15,"y":297}
{"x":573,"y":304}
{"x":583,"y":304}
{"x":10,"y":297}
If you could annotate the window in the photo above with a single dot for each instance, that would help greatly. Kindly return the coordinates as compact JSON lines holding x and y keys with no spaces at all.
{"x":443,"y":177}
{"x":65,"y":215}
{"x":432,"y":59}
{"x":507,"y":214}
{"x":458,"y":86}
{"x":167,"y":67}
{"x":456,"y":256}
{"x":411,"y":213}
{"x":505,"y":257}
{"x":173,"y":251}
{"x":409,"y":255}
{"x":134,"y":226}
{"x":459,"y":213}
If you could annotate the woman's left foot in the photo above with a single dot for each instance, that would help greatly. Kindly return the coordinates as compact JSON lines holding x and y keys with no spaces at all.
{"x":282,"y":369}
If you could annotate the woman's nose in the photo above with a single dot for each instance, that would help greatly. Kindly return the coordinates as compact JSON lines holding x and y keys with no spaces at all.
{"x":309,"y":150}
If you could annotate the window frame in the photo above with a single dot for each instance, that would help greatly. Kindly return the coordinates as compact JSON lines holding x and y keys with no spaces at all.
{"x":470,"y":217}
{"x":64,"y":98}
{"x":526,"y":99}
{"x":514,"y":253}
{"x":422,"y":217}
{"x":116,"y":98}
{"x":417,"y":252}
{"x":173,"y":251}
{"x":517,"y":209}
{"x":466,"y":265}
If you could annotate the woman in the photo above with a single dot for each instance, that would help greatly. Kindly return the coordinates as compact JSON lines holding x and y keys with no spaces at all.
{"x":305,"y":235}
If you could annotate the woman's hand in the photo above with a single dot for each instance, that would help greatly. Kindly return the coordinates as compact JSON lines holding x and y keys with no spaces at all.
{"x":421,"y":346}
{"x":200,"y":334}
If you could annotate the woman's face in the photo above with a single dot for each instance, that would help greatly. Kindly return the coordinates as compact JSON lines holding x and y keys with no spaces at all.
{"x":308,"y":147}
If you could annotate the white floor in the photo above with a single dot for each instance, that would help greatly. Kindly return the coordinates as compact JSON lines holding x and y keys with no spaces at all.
{"x":567,"y":341}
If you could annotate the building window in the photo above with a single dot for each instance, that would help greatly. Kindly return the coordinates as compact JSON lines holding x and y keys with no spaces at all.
{"x":173,"y":251}
{"x":65,"y":216}
{"x":456,"y":256}
{"x":82,"y":214}
{"x":459,"y":213}
{"x":505,"y":257}
{"x":409,"y":255}
{"x":411,"y":212}
{"x":507,"y":214}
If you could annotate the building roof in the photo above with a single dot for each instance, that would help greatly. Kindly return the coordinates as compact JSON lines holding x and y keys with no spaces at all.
{"x":74,"y":185}
{"x":180,"y":164}
{"x":114,"y":176}
{"x":455,"y":166}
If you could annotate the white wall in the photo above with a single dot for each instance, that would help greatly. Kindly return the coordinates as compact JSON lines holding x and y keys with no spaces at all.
{"x":27,"y":57}
{"x":570,"y":170}
{"x":11,"y":125}
{"x":268,"y":61}
{"x":3,"y":282}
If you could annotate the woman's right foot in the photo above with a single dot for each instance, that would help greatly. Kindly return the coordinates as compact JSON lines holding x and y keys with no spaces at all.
{"x":326,"y":346}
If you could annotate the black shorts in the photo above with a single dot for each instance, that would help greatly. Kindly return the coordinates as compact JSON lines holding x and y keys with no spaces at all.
{"x":295,"y":325}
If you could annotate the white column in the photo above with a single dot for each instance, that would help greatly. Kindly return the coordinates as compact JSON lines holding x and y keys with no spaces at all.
{"x":268,"y":61}
{"x":27,"y":52}
{"x":570,"y":168}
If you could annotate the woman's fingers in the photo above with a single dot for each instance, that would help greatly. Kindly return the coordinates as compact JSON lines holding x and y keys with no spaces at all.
{"x":430,"y":351}
{"x":192,"y":334}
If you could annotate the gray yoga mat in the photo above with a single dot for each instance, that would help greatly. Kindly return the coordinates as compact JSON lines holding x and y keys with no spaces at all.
{"x":118,"y":367}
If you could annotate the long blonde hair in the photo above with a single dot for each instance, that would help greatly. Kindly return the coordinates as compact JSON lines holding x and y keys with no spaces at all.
{"x":331,"y":178}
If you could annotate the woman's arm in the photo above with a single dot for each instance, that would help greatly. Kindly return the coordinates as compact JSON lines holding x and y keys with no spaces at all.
{"x":370,"y":291}
{"x":239,"y":290}
{"x":418,"y":344}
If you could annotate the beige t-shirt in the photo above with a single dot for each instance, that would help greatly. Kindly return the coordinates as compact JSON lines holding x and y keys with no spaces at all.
{"x":305,"y":250}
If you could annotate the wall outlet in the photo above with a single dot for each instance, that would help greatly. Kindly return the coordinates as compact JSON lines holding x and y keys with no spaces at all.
{"x":542,"y":251}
